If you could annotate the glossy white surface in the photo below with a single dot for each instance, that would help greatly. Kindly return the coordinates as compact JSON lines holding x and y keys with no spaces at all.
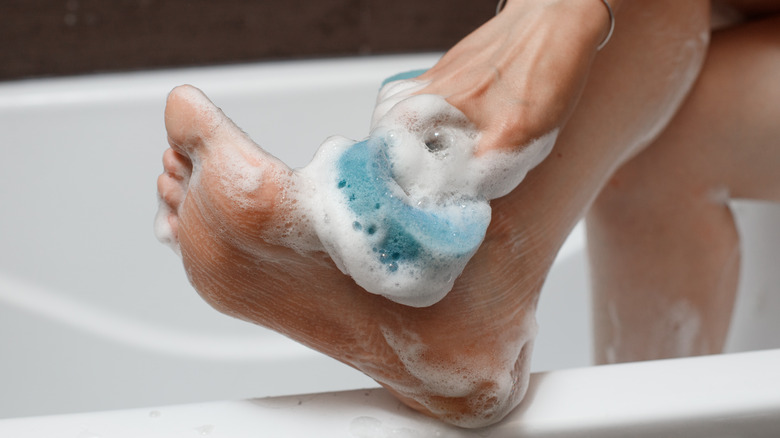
{"x":716,"y":396}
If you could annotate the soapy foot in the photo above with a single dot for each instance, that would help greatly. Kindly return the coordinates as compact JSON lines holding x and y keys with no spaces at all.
{"x":251,"y":250}
{"x":220,"y":186}
{"x":403,"y":211}
{"x":254,"y":252}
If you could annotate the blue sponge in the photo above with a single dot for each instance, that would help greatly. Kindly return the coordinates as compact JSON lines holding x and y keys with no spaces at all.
{"x":404,"y":76}
{"x":401,"y":232}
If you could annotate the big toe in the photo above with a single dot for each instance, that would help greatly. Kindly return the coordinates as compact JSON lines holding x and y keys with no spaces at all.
{"x":191,"y":119}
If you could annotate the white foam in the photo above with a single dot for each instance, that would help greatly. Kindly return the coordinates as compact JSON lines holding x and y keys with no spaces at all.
{"x":435,"y":168}
{"x":239,"y":179}
{"x":492,"y":385}
{"x":431,"y":184}
{"x":162,"y":227}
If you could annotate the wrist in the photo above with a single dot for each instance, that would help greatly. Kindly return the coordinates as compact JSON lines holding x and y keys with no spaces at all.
{"x":591,"y":21}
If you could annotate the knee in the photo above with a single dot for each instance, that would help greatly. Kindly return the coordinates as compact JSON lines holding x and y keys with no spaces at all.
{"x":651,"y":197}
{"x":631,"y":190}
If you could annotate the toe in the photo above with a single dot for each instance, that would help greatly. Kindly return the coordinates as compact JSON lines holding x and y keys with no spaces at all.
{"x":249,"y":193}
{"x":190,"y":119}
{"x":170,"y":190}
{"x":176,"y":165}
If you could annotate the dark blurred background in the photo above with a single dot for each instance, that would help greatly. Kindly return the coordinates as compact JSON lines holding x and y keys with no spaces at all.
{"x":41,"y":38}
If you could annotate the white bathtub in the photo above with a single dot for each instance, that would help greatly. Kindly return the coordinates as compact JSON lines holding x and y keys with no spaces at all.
{"x":96,"y":315}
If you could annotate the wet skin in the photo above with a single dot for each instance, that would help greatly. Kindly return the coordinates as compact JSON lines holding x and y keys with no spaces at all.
{"x":465,"y":359}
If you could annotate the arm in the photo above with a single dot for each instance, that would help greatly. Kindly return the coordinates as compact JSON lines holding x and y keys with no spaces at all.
{"x":520,"y":76}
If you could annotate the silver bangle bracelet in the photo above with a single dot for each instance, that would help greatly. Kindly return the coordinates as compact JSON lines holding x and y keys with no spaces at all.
{"x":501,"y":3}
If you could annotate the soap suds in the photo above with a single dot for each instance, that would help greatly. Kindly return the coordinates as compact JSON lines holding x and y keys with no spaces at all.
{"x":401,"y":212}
{"x":404,"y":210}
{"x":238,"y":178}
{"x":682,"y":326}
{"x":162,"y":227}
{"x":613,"y":346}
{"x":676,"y":332}
{"x":493,"y":385}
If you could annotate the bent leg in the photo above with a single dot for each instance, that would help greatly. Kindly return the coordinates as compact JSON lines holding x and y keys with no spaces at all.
{"x":466,"y":358}
{"x":663,"y":246}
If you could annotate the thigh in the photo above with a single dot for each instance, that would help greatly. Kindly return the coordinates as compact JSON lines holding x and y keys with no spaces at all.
{"x":727,"y":134}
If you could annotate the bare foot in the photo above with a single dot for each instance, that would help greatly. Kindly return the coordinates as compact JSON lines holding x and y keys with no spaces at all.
{"x":464,"y":360}
{"x":250,"y":251}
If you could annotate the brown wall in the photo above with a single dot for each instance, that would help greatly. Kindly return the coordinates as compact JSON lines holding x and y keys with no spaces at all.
{"x":65,"y":37}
